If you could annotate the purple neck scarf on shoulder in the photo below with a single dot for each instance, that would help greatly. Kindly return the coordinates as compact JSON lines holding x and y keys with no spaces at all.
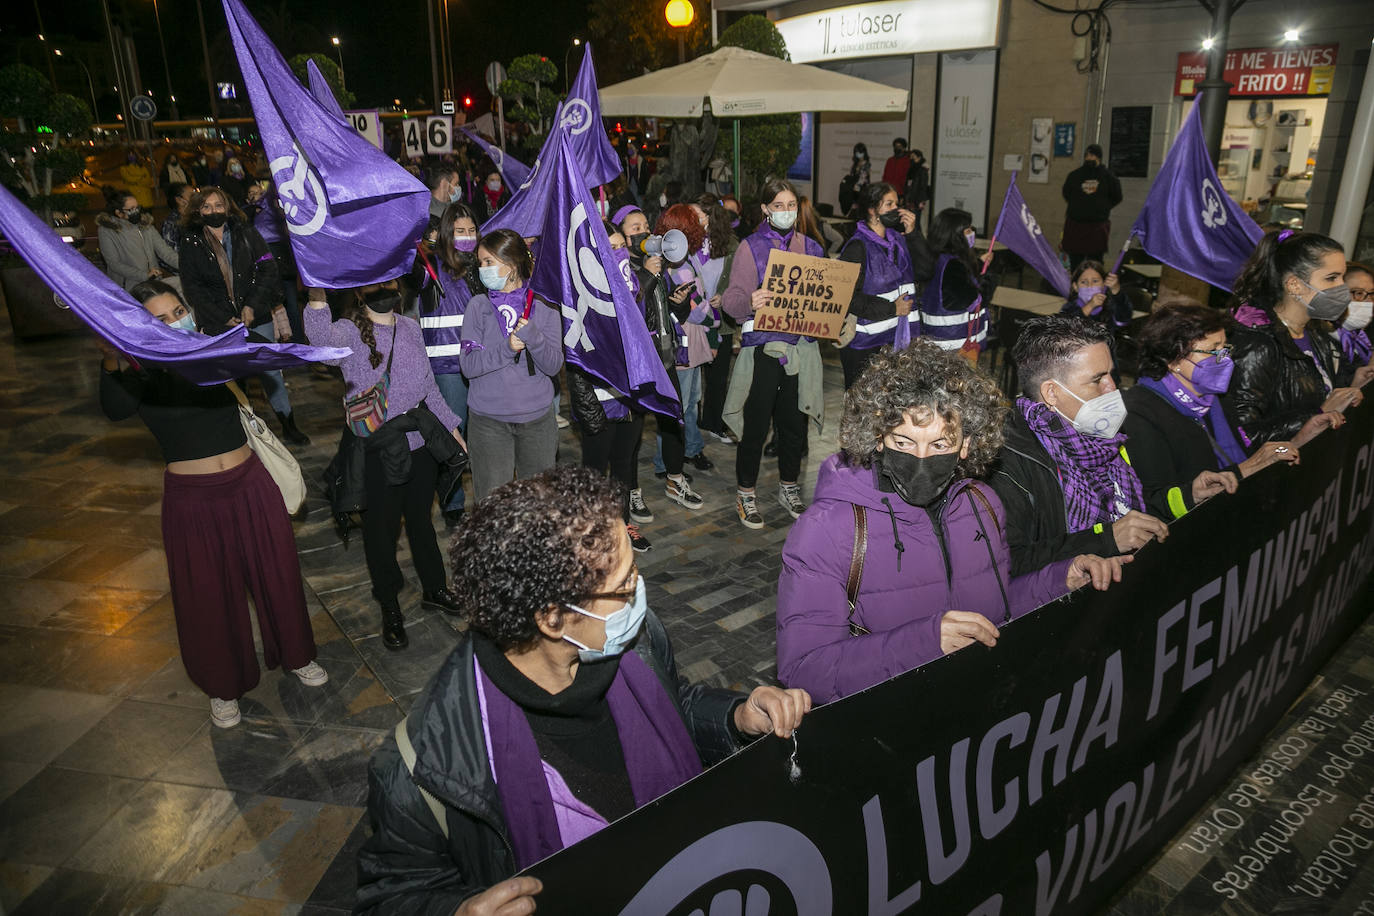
{"x":659,"y":754}
{"x":1205,"y":410}
{"x":1093,"y":474}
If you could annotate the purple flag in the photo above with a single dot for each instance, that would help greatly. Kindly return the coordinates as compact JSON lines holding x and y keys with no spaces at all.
{"x":354,"y":215}
{"x":525,"y":210}
{"x":1188,"y":221}
{"x":116,"y":316}
{"x":595,"y":156}
{"x":319,"y":88}
{"x":604,"y":333}
{"x":1018,"y":230}
{"x":514,"y":172}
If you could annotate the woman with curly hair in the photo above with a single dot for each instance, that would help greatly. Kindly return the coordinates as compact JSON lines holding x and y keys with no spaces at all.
{"x":902,"y":555}
{"x":559,"y":711}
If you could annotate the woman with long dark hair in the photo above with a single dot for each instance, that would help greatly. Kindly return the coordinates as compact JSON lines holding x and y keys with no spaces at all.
{"x":954,"y":313}
{"x":885,"y":291}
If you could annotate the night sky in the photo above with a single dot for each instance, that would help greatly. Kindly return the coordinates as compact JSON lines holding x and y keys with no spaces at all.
{"x":385,"y":43}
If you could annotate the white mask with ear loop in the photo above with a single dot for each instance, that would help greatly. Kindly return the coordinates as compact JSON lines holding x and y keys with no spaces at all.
{"x":1100,"y":417}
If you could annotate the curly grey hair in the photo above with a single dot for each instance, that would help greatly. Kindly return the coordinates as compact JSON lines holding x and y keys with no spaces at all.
{"x":923,"y":381}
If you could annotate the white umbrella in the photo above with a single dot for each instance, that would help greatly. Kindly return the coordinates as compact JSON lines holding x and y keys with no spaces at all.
{"x":740,"y":83}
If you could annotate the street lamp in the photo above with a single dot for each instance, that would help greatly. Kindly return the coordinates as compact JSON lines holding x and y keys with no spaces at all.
{"x":680,"y":15}
{"x":338,"y":48}
{"x":166,"y":67}
{"x":90,"y":84}
{"x":576,"y":42}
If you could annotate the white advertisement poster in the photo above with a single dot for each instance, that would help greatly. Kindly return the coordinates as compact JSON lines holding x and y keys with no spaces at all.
{"x":838,"y":132}
{"x":963,"y":133}
{"x":889,"y":28}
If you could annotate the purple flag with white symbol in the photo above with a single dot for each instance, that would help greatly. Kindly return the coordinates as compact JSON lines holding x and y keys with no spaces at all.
{"x":581,"y":117}
{"x":353,"y":215}
{"x":1188,"y":221}
{"x":513,"y":172}
{"x":1019,"y":231}
{"x":116,"y":316}
{"x":319,"y":88}
{"x":604,"y":333}
{"x":528,"y":204}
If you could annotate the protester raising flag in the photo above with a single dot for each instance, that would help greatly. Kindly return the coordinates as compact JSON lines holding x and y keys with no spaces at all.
{"x":595,"y":156}
{"x":513,"y":172}
{"x":1188,"y":222}
{"x":114,"y":315}
{"x":1019,"y":231}
{"x":319,"y":88}
{"x":353,"y":214}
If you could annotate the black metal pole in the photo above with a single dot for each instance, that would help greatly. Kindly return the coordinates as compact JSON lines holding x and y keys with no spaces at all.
{"x":1215,"y":91}
{"x":209,"y":77}
{"x":433,"y":52}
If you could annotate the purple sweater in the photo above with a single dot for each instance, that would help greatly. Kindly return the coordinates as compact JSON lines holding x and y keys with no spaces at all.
{"x":901,"y":608}
{"x":411,"y":378}
{"x":500,"y":385}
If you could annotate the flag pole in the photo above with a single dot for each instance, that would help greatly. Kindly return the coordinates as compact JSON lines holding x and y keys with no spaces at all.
{"x":992,"y":243}
{"x":1116,"y":268}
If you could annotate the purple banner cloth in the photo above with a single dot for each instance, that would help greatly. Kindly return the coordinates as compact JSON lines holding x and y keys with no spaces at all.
{"x":514,"y":172}
{"x":319,"y":88}
{"x":353,"y":214}
{"x":1188,"y":222}
{"x":1018,"y":230}
{"x":116,"y":316}
{"x":596,"y":158}
{"x":604,"y":333}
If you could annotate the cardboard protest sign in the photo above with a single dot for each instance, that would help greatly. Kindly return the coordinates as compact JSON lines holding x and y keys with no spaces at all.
{"x":810,"y":295}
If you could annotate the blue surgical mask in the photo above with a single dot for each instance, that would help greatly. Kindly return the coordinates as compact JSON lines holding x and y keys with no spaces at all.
{"x":621,"y":627}
{"x":492,"y":276}
{"x":185,"y":323}
{"x":455,"y":196}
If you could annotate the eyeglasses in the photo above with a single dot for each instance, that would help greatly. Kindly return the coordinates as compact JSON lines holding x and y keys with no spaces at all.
{"x":1218,"y":354}
{"x":1361,"y":295}
{"x":626,"y":594}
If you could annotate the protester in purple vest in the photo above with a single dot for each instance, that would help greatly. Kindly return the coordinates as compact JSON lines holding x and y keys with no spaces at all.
{"x":443,"y":301}
{"x":1097,"y":295}
{"x":1353,"y":331}
{"x":954,"y":314}
{"x":1179,"y":430}
{"x":935,"y":576}
{"x":559,"y":711}
{"x":884,"y":294}
{"x":777,"y":377}
{"x":512,"y":350}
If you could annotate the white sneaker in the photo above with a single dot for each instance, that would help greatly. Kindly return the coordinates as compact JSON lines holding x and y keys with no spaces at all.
{"x":639,"y":512}
{"x":683,"y":494}
{"x":224,"y":713}
{"x":312,"y":675}
{"x":790,"y":498}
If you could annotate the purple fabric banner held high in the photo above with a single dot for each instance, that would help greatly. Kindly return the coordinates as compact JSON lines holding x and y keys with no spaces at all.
{"x":114,"y":315}
{"x":353,"y":215}
{"x":1019,"y":231}
{"x":1188,"y":221}
{"x":513,"y":172}
{"x":320,"y":89}
{"x":595,"y":156}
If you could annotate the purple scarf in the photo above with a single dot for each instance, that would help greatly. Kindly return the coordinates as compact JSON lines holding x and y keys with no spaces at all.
{"x":508,"y":306}
{"x":1092,"y":472}
{"x":1200,"y":407}
{"x":1355,"y":345}
{"x":659,"y":754}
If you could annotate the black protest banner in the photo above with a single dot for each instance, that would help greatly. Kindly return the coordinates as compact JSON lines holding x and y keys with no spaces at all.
{"x":1037,"y":776}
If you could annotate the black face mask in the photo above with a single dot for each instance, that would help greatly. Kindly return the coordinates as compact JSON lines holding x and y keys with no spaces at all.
{"x":134,"y":215}
{"x":382,"y":300}
{"x":636,"y":241}
{"x":214,"y":220}
{"x":918,"y":481}
{"x":892,"y":219}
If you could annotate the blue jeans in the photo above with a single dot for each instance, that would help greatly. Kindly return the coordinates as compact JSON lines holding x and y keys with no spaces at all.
{"x":273,"y":386}
{"x":689,"y":382}
{"x":454,"y":389}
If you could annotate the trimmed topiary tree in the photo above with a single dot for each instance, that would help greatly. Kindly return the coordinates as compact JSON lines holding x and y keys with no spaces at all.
{"x":329,"y":70}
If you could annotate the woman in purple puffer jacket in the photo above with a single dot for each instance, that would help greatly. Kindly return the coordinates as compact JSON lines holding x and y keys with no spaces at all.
{"x":918,"y":426}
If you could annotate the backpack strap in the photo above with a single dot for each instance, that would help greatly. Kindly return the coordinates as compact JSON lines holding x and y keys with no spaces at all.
{"x":987,"y":542}
{"x":856,"y":567}
{"x":408,"y":758}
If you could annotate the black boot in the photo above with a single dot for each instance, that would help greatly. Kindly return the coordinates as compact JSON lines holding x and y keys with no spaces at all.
{"x":442,"y":600}
{"x":289,"y":431}
{"x":393,"y":626}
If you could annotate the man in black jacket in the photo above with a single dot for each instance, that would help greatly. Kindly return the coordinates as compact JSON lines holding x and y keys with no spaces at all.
{"x":1091,"y":191}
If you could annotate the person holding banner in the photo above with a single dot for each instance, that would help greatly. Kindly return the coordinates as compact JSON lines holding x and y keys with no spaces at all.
{"x":559,"y":711}
{"x":1291,"y":379}
{"x":512,"y":349}
{"x":884,"y":294}
{"x":903,"y":556}
{"x":1097,"y":296}
{"x":953,"y":315}
{"x":776,"y":375}
{"x":224,"y":526}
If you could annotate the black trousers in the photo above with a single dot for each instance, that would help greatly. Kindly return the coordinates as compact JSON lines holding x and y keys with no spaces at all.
{"x":614,"y":449}
{"x":674,"y":448}
{"x":387,"y":504}
{"x":772,"y":396}
{"x":715,"y":381}
{"x":853,"y":362}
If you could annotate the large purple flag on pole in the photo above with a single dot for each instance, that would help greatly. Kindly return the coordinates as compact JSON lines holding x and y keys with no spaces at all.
{"x":514,"y":172}
{"x":320,"y":89}
{"x":582,"y":117}
{"x":352,"y":213}
{"x":604,"y":332}
{"x":1018,"y":230}
{"x":114,"y":315}
{"x":525,"y":210}
{"x":1188,"y":222}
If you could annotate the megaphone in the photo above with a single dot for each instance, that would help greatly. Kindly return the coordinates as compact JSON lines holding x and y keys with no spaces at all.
{"x":671,"y":245}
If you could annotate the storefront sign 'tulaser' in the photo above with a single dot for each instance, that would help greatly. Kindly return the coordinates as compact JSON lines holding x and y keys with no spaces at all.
{"x":1305,"y":70}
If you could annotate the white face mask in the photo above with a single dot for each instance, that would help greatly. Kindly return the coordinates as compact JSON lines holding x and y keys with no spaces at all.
{"x":1358,"y":316}
{"x":492,"y":276}
{"x":1100,"y":417}
{"x":782,"y":220}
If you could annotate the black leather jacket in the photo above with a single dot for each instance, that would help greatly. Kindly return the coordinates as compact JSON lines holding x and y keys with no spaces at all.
{"x":407,"y":866}
{"x":1275,"y":387}
{"x":586,"y":405}
{"x":343,"y":478}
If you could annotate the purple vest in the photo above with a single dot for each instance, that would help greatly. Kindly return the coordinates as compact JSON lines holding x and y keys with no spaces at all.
{"x":887,"y":273}
{"x":763,"y":240}
{"x":943,"y":327}
{"x":443,"y":327}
